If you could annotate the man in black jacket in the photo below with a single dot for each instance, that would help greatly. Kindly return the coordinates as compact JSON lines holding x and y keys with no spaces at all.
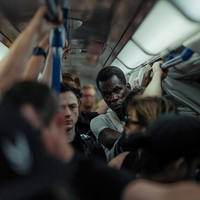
{"x":70,"y":101}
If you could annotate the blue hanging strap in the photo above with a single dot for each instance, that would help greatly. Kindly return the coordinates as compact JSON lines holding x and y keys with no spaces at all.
{"x":57,"y":42}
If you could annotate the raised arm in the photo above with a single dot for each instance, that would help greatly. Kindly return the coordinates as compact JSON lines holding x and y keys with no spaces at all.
{"x":46,"y":77}
{"x":36,"y":62}
{"x":154,"y":88}
{"x":146,"y":77}
{"x":13,"y":65}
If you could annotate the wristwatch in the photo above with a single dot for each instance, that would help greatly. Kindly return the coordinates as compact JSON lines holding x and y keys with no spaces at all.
{"x":39,"y":51}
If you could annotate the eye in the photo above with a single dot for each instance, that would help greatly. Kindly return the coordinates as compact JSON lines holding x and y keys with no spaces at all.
{"x":73,"y":106}
{"x":118,"y":90}
{"x":106,"y":95}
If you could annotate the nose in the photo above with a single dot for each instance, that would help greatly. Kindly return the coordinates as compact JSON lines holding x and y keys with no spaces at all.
{"x":67,"y":112}
{"x":114,"y":97}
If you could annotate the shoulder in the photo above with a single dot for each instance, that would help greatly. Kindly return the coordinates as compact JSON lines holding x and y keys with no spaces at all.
{"x":102,"y":117}
{"x":117,"y":161}
{"x":99,"y":123}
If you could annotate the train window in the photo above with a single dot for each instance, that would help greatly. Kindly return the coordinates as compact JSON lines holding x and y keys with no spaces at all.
{"x":191,"y":10}
{"x":3,"y":50}
{"x":126,"y":55}
{"x":164,"y":26}
{"x":119,"y":64}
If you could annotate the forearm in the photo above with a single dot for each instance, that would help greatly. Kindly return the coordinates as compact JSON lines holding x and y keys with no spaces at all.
{"x":36,"y":62}
{"x":102,"y":108}
{"x":46,"y":77}
{"x":33,"y":68}
{"x":13,"y":65}
{"x":154,"y":88}
{"x":108,"y":137}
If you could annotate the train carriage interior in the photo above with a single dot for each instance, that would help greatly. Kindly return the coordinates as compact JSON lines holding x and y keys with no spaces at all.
{"x":52,"y":146}
{"x":124,"y":33}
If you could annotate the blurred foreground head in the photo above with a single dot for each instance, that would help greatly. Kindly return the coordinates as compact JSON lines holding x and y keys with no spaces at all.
{"x":170,"y":149}
{"x":40,"y":107}
{"x":26,"y":171}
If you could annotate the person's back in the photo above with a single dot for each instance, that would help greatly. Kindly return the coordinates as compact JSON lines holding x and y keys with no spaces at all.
{"x":149,"y":190}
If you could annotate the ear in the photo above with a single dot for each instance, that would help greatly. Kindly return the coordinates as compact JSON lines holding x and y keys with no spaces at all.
{"x":128,"y":86}
{"x":31,"y":116}
{"x":180,"y":167}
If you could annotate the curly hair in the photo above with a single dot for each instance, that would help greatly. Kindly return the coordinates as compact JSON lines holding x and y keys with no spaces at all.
{"x":107,"y":72}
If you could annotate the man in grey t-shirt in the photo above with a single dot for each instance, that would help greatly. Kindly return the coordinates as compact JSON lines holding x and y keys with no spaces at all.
{"x":107,"y":128}
{"x":112,"y":84}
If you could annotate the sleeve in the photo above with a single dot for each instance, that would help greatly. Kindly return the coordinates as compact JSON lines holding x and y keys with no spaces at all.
{"x":99,"y":123}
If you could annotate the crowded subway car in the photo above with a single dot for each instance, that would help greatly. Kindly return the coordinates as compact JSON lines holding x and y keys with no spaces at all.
{"x":100,"y":99}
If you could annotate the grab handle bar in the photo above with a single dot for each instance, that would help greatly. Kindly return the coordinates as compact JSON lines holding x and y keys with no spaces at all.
{"x":185,"y":55}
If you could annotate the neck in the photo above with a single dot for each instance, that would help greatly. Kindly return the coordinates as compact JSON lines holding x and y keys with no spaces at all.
{"x":71,"y":134}
{"x":121,"y":117}
{"x":87,"y":109}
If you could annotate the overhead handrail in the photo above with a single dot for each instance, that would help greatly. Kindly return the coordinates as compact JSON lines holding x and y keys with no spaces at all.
{"x":185,"y":55}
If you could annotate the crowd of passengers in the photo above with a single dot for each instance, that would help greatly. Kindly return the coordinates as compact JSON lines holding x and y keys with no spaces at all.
{"x":135,"y":145}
